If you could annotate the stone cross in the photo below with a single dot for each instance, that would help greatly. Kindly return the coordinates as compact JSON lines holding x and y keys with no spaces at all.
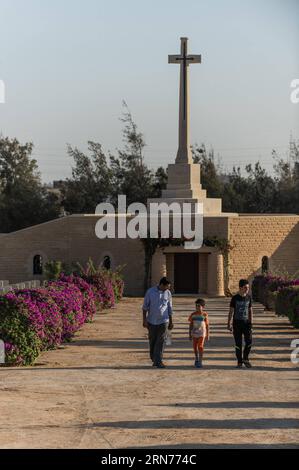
{"x":184,"y":152}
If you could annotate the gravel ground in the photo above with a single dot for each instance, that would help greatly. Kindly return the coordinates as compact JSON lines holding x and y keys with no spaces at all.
{"x":100,"y":391}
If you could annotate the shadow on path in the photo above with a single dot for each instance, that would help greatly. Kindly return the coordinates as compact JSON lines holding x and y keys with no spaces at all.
{"x":262,"y":423}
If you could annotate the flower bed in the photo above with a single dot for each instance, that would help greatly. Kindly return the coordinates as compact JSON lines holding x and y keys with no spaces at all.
{"x":108,"y":286}
{"x":34,"y":320}
{"x":287,"y":304}
{"x":277,"y":293}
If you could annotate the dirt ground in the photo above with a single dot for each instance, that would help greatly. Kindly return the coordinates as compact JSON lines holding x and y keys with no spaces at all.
{"x":100,"y":391}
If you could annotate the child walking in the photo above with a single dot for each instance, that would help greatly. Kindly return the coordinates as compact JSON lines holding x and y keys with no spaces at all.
{"x":199,"y":330}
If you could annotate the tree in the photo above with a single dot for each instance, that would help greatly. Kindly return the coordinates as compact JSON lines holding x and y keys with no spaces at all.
{"x":160,"y":182}
{"x":91,"y":181}
{"x":235,"y":191}
{"x":23,"y":199}
{"x":209,"y":170}
{"x":287,"y":179}
{"x":131,"y":176}
{"x":96,"y":178}
{"x":261,"y":191}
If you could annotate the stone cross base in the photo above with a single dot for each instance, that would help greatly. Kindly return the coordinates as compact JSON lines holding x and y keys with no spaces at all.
{"x":211,"y":206}
{"x":184,"y":186}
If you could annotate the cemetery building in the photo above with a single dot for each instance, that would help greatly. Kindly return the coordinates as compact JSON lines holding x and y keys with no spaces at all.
{"x":257,"y":241}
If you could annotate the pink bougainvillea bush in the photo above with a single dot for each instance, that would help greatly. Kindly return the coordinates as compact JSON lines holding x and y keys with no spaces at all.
{"x":22,"y":343}
{"x":89,"y":293}
{"x":34,"y":320}
{"x":278,"y":293}
{"x":287,"y":303}
{"x":108,"y":284}
{"x":263,"y":284}
{"x":43,"y":314}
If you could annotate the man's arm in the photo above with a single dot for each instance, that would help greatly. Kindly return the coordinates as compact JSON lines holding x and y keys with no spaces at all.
{"x":145,"y":324}
{"x":230,"y":316}
{"x":170,"y":326}
{"x":145,"y":308}
{"x":250,"y":316}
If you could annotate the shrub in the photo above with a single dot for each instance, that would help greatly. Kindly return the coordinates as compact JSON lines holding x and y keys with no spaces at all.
{"x":263,"y":287}
{"x":104,"y":288}
{"x":52,"y":270}
{"x":278,"y":293}
{"x":88,"y":291}
{"x":287,"y":304}
{"x":256,"y":288}
{"x":33,"y":320}
{"x":69,"y":299}
{"x":109,"y":284}
{"x":44,"y":315}
{"x":22,"y":344}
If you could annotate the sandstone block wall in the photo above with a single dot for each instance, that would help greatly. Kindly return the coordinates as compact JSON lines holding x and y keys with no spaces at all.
{"x":256,"y":236}
{"x":69,"y":239}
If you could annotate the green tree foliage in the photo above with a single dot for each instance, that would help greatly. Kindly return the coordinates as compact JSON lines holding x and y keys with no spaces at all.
{"x":209,"y":170}
{"x":254,"y":191}
{"x":23,"y":199}
{"x":98,"y":178}
{"x":94,"y":180}
{"x":287,"y":180}
{"x":91,"y":181}
{"x":131,"y":176}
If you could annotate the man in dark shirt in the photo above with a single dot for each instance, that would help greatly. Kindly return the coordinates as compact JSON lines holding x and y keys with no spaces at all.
{"x":240,"y":319}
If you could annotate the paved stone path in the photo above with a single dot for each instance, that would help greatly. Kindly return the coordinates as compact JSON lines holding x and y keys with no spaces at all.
{"x":101,"y":392}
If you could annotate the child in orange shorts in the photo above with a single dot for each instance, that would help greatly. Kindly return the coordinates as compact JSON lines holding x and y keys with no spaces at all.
{"x":199,"y":330}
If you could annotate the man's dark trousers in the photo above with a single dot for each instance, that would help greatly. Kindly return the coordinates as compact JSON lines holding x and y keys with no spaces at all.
{"x":240,"y":328}
{"x":157,"y":336}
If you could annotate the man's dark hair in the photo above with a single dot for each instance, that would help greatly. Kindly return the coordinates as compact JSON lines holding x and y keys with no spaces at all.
{"x":243,"y":282}
{"x":201,"y":302}
{"x":164,"y":281}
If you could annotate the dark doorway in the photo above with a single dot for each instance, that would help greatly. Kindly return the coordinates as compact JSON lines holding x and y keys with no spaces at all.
{"x":38,"y":265}
{"x":186,"y":273}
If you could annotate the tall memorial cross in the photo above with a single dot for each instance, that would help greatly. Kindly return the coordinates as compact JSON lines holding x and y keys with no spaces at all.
{"x":184,"y":152}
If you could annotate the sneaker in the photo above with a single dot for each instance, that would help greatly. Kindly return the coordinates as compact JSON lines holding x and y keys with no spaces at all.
{"x":247,"y":364}
{"x":161,"y":365}
{"x":199,"y":365}
{"x":195,"y":363}
{"x":240,"y":364}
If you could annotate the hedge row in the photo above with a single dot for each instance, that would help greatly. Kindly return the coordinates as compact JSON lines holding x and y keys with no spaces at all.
{"x":35,"y":320}
{"x":280,"y":294}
